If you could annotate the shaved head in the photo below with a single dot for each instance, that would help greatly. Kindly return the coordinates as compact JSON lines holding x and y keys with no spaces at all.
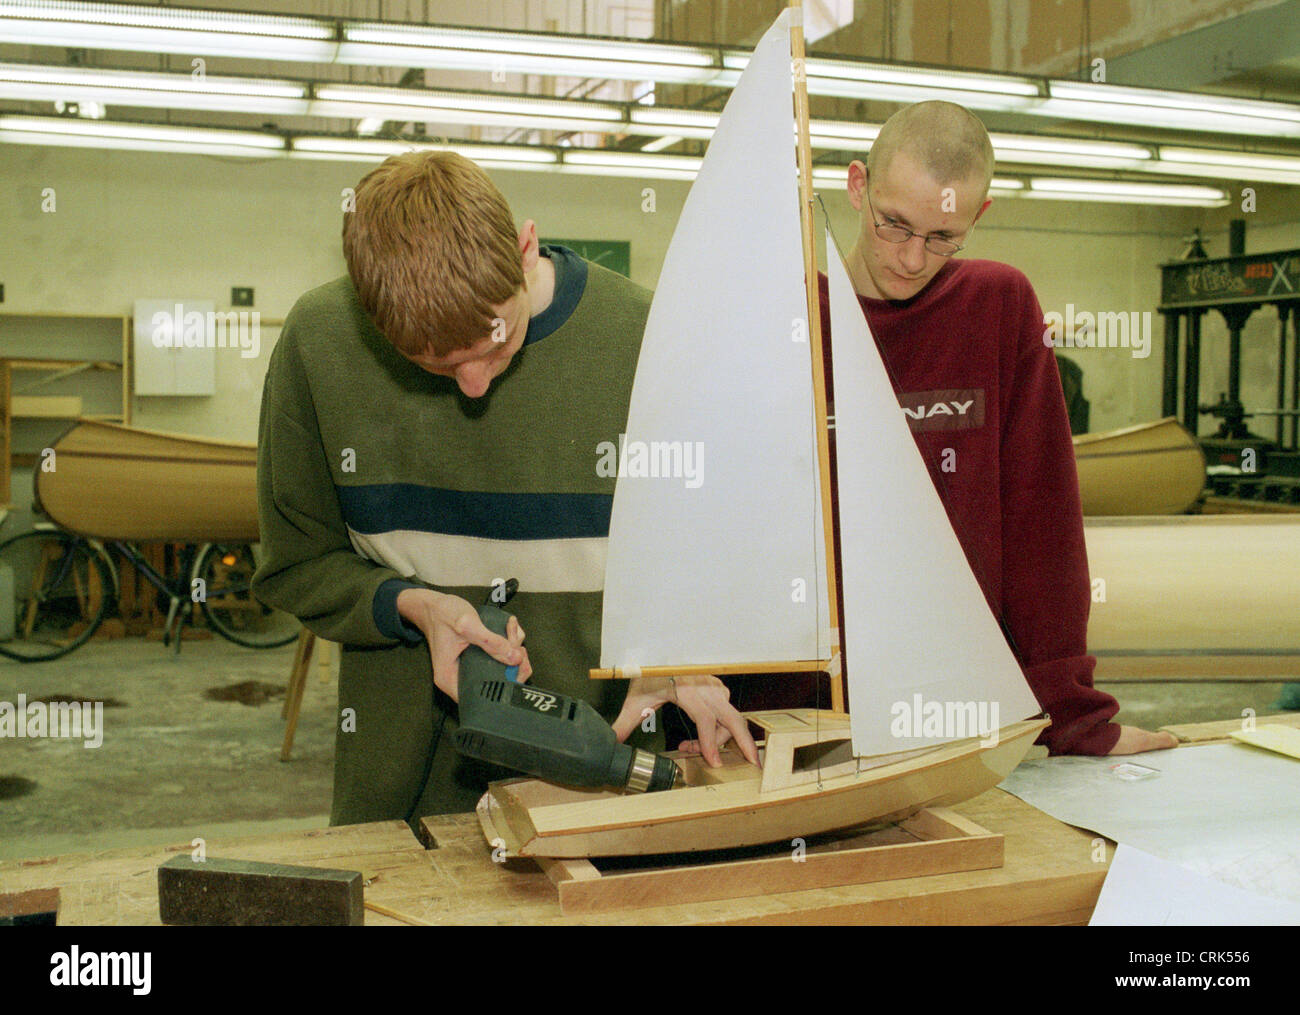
{"x":949,"y":141}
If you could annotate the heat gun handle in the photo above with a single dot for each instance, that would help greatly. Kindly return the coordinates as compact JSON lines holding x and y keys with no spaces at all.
{"x":477,"y":664}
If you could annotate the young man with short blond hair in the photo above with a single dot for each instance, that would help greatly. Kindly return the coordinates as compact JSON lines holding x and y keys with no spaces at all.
{"x":430,"y":425}
{"x":969,"y":332}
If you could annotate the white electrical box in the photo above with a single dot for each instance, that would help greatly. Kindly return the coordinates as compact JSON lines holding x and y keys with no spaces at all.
{"x":175,"y":346}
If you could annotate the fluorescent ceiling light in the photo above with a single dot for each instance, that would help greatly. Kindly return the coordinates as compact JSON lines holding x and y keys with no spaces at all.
{"x":387,"y":44}
{"x":281,"y":37}
{"x":351,"y":101}
{"x":831,"y":176}
{"x":139,"y":137}
{"x":523,"y":105}
{"x":150,"y":137}
{"x":841,"y":133}
{"x":1176,"y":110}
{"x":873,"y":92}
{"x":166,"y":30}
{"x":693,"y":123}
{"x":665,"y":167}
{"x":1132,"y":193}
{"x":1154,"y":98}
{"x":1238,"y":160}
{"x":1028,"y":149}
{"x":85,"y":86}
{"x":529,"y":43}
{"x":43,"y":83}
{"x":920,"y":77}
{"x":487,"y":154}
{"x":1206,"y":162}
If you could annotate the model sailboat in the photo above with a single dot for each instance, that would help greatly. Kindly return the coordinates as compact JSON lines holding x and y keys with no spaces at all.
{"x":726,"y":572}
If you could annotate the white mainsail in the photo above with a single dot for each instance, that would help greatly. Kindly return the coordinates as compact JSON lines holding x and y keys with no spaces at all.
{"x":726,"y":566}
{"x":918,"y":632}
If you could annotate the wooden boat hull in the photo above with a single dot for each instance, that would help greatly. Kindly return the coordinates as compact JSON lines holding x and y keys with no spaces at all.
{"x":119,"y":482}
{"x":1150,"y":469}
{"x":529,"y":817}
{"x":1199,"y":584}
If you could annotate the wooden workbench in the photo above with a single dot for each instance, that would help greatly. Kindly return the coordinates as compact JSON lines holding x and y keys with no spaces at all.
{"x":1052,"y":875}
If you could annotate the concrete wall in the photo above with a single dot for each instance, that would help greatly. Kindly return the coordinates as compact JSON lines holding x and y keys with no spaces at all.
{"x":136,"y":225}
{"x":130,"y":226}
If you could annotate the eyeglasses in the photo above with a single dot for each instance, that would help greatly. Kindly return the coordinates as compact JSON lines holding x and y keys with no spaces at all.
{"x":891,"y":233}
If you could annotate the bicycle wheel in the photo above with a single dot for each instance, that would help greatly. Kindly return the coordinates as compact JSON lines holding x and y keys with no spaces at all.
{"x":61,"y":591}
{"x":227,"y":600}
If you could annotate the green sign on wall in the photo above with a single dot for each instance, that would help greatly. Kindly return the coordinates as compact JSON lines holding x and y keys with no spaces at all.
{"x":616,"y":255}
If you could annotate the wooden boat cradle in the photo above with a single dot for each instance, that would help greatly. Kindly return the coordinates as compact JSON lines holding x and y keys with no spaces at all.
{"x":933,"y":841}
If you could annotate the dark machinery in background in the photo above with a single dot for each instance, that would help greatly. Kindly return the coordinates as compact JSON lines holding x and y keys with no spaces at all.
{"x":1241,"y":463}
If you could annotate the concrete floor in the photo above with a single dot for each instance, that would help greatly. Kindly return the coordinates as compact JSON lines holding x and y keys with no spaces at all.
{"x":175,"y":764}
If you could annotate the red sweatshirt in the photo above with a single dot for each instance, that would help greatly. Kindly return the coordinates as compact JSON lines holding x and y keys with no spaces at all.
{"x":967,"y":359}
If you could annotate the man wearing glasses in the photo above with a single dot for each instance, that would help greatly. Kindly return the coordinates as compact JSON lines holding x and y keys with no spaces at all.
{"x":963,"y":343}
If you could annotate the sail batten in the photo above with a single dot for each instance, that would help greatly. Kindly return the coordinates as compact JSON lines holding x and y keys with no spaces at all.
{"x":724,"y":564}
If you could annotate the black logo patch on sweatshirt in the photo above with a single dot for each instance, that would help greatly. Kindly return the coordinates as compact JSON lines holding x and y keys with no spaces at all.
{"x":951,"y":409}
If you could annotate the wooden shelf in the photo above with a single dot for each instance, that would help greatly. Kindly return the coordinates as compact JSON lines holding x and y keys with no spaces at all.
{"x":44,"y":406}
{"x":50,"y":376}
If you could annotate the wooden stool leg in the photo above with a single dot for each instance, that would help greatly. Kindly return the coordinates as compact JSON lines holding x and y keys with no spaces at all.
{"x":293,"y":694}
{"x":301,"y":653}
{"x":38,"y":581}
{"x":323,"y":653}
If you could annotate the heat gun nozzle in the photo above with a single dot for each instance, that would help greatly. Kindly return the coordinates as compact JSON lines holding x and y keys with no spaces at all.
{"x":649,"y":773}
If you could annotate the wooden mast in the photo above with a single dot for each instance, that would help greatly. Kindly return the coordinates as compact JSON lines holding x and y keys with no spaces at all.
{"x":815,"y":337}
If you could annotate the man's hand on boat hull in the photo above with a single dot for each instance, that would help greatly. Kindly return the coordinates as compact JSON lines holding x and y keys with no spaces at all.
{"x":1134,"y":740}
{"x":705,"y":699}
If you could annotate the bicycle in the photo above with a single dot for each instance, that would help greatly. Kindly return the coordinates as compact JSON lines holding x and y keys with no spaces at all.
{"x":64,"y":584}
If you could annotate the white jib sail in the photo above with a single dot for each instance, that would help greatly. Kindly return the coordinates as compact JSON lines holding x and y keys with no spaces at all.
{"x":926,"y":660}
{"x":722,"y":566}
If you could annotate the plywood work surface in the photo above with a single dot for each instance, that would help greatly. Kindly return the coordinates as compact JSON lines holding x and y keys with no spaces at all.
{"x":119,"y":887}
{"x":1049,"y":876}
{"x":1052,"y":874}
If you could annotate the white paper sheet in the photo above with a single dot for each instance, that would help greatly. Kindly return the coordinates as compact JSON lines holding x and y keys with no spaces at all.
{"x":1142,"y":890}
{"x":1227,"y":811}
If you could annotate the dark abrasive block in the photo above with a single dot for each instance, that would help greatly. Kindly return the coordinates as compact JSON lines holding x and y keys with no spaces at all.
{"x":245,"y":893}
{"x":36,"y":908}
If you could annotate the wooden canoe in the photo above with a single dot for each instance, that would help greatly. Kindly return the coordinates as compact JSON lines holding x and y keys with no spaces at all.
{"x":1195,"y":584}
{"x":1149,"y":469}
{"x":738,"y":805}
{"x":116,"y":482}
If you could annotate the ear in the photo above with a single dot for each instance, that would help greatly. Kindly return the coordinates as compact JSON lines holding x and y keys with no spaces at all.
{"x":528,"y":245}
{"x":983,"y":208}
{"x":857,"y":183}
